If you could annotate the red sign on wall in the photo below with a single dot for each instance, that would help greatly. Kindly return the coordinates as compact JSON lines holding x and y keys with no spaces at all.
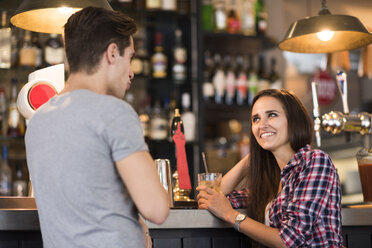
{"x":327,"y":87}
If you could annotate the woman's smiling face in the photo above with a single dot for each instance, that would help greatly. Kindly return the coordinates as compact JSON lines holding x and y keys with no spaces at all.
{"x":270,"y":124}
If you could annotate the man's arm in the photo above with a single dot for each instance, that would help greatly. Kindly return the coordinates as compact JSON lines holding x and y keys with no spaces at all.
{"x":139,"y":175}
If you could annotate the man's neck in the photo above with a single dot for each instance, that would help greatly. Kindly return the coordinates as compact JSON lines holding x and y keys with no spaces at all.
{"x":81,"y":80}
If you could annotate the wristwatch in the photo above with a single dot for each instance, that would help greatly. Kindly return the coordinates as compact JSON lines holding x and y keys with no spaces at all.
{"x":239,"y":218}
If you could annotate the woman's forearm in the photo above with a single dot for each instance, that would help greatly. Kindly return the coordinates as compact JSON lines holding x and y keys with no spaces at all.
{"x":235,"y":175}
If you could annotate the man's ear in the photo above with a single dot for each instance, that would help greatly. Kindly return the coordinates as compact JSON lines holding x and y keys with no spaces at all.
{"x":111,"y":53}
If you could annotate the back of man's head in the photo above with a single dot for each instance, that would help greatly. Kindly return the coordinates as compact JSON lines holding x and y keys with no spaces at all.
{"x":88,"y":33}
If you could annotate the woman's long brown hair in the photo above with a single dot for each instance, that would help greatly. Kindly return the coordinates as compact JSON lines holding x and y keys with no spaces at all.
{"x":264,"y":172}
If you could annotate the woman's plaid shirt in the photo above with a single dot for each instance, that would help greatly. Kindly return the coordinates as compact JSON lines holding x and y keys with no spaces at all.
{"x":307,"y":211}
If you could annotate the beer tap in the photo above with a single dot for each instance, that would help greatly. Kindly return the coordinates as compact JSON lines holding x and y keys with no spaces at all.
{"x":317,"y":122}
{"x":335,"y":122}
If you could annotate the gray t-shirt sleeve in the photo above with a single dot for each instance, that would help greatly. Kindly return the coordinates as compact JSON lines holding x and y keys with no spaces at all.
{"x":124,"y":134}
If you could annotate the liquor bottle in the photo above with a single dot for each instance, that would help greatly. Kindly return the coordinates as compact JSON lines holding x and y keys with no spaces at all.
{"x":15,"y":125}
{"x":233,"y":20}
{"x":15,"y":46}
{"x":140,"y":63}
{"x":220,"y":18}
{"x":5,"y":42}
{"x":219,"y":79}
{"x":230,"y":80}
{"x":252,"y":80}
{"x":183,"y":7}
{"x":153,"y":4}
{"x":263,"y":81}
{"x":179,"y":70}
{"x":207,"y":15}
{"x":19,"y":183}
{"x":274,"y":78}
{"x":27,"y":53}
{"x":188,"y":118}
{"x":54,"y":51}
{"x":144,"y":116}
{"x":39,"y":50}
{"x":241,"y":81}
{"x":158,"y":123}
{"x":159,"y":59}
{"x":5,"y":174}
{"x":3,"y":108}
{"x":170,"y":5}
{"x":260,"y":17}
{"x":208,"y":89}
{"x":248,"y":23}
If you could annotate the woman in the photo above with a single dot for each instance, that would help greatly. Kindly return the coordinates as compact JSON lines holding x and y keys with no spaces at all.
{"x":296,"y":187}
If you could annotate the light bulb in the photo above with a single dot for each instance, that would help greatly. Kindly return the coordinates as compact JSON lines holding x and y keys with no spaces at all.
{"x":66,"y":10}
{"x":325,"y":35}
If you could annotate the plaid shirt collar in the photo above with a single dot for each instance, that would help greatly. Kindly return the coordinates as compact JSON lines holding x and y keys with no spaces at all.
{"x":296,"y":160}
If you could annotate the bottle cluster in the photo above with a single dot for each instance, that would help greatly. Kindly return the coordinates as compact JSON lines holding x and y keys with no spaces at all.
{"x":180,"y":6}
{"x":248,"y":17}
{"x":156,"y":119}
{"x":232,"y":79}
{"x":13,"y":180}
{"x":23,"y":48}
{"x":158,"y":65}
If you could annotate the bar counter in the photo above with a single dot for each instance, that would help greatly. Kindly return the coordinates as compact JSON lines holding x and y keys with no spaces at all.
{"x":19,"y":227}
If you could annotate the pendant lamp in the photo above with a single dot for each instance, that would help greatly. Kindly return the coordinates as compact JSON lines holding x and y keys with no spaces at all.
{"x":49,"y":16}
{"x":325,"y":33}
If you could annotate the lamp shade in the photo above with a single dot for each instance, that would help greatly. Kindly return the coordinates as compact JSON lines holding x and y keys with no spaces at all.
{"x":49,"y":16}
{"x":349,"y":33}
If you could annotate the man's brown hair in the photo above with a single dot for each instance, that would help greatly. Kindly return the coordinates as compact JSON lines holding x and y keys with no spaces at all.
{"x":89,"y":32}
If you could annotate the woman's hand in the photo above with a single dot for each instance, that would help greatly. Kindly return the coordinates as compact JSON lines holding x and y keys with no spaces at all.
{"x":216,"y":203}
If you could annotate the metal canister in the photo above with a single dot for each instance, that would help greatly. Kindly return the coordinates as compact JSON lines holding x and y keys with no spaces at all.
{"x":165,"y":174}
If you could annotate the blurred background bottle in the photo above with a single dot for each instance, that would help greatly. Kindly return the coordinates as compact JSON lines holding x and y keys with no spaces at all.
{"x":15,"y":121}
{"x":5,"y":174}
{"x":27,"y":53}
{"x":153,"y":4}
{"x":260,"y":17}
{"x":188,"y":118}
{"x":241,"y":81}
{"x":233,"y":19}
{"x":207,"y":15}
{"x":179,"y":70}
{"x":230,"y":79}
{"x":159,"y":60}
{"x":208,"y":89}
{"x":248,"y":24}
{"x":220,"y":17}
{"x":219,"y":79}
{"x":19,"y":182}
{"x":5,"y":42}
{"x":53,"y":51}
{"x":158,"y":123}
{"x":3,"y":109}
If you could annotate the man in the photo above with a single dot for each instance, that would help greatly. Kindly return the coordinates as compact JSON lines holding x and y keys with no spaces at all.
{"x":90,"y":167}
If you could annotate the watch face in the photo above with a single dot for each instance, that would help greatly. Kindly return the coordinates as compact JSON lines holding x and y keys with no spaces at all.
{"x":240,"y":217}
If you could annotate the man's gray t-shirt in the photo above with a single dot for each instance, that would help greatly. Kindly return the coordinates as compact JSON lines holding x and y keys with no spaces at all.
{"x":72,"y":143}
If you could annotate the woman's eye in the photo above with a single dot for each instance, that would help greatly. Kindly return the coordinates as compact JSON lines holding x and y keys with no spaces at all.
{"x":272,"y":115}
{"x":255,"y":119}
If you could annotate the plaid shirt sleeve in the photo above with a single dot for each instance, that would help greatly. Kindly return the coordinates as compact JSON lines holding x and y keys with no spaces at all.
{"x":238,"y":198}
{"x":310,"y":196}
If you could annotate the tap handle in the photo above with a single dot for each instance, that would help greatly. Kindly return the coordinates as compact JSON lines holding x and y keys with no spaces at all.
{"x":342,"y":87}
{"x":317,"y":122}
